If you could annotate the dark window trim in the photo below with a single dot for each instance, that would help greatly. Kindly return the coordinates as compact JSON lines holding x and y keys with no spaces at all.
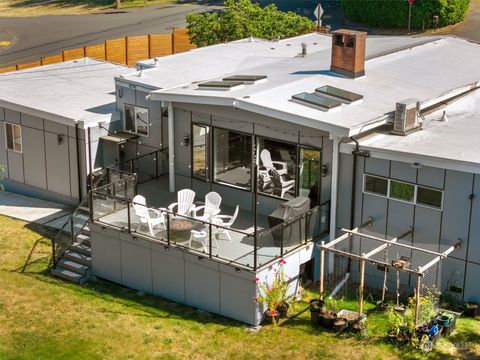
{"x":135,"y":120}
{"x":13,"y":134}
{"x":207,"y":152}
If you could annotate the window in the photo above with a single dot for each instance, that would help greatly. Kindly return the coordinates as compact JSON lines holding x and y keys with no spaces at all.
{"x":429,"y":197}
{"x":232,"y":158}
{"x":200,"y":151}
{"x":277,"y":168}
{"x":402,"y":191}
{"x":136,"y":120}
{"x":309,"y":175}
{"x":13,"y":135}
{"x":376,"y":185}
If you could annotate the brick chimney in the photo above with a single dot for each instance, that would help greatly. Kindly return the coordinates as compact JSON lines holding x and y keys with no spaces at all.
{"x":348,"y":52}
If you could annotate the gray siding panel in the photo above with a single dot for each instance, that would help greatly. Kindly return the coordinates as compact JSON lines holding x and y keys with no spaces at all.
{"x":32,"y":121}
{"x":3,"y":148}
{"x":403,"y":171}
{"x":182,"y":153}
{"x":433,"y":177}
{"x":345,"y":190}
{"x":106,"y":258}
{"x":72,"y":144}
{"x":474,"y":242}
{"x":377,"y":167}
{"x":2,"y":113}
{"x":15,"y":166}
{"x":456,"y":210}
{"x":34,"y":157}
{"x":58,"y":176}
{"x":55,"y":127}
{"x":168,"y":271}
{"x":202,"y":282}
{"x":12,"y":116}
{"x":136,"y":263}
{"x":472,"y":290}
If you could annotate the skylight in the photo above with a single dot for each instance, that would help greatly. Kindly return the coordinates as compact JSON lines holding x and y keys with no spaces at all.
{"x":316,"y":101}
{"x":342,"y":95}
{"x":248,"y":79}
{"x":219,"y":85}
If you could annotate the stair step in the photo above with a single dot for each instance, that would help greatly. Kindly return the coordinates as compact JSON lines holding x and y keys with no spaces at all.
{"x":79,"y":258}
{"x":68,"y":275}
{"x":81,"y":249}
{"x":74,"y":267}
{"x":86,"y":230}
{"x":83,"y":239}
{"x":84,"y":209}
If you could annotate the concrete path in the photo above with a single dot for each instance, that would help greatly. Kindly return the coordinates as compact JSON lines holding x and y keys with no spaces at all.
{"x":33,"y":210}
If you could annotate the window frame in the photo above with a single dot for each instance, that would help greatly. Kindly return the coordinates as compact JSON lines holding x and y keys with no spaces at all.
{"x":372,"y":193}
{"x":13,"y":125}
{"x":213,"y":160}
{"x":402,"y":200}
{"x":426,"y":205}
{"x":135,"y":107}
{"x":208,"y":152}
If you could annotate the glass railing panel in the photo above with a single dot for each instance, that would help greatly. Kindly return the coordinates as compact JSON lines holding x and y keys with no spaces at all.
{"x":190,"y":233}
{"x":149,"y":222}
{"x":269,"y":245}
{"x":233,"y":245}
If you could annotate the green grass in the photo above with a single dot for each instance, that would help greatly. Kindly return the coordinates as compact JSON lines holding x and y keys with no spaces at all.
{"x":42,"y":317}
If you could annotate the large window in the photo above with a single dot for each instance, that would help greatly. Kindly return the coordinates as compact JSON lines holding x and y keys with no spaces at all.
{"x":277,"y":168}
{"x":13,"y":135}
{"x":402,"y":191}
{"x":232,"y":153}
{"x":136,"y":120}
{"x":200,"y":150}
{"x":309,"y":174}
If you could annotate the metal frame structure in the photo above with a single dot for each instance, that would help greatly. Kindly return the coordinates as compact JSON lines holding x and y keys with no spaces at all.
{"x":419,"y":272}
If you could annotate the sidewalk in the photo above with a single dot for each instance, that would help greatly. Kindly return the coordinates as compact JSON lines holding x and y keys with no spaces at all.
{"x":33,"y":210}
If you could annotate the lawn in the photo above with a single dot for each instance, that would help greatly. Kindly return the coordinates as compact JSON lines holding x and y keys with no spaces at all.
{"x":42,"y":317}
{"x":66,"y":7}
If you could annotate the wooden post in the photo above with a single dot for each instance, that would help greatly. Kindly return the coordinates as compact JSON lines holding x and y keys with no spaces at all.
{"x":118,"y":4}
{"x":322,"y":269}
{"x":417,"y":302}
{"x":360,"y":287}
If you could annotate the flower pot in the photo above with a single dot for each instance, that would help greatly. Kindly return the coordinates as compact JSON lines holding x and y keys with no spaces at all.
{"x":270,"y":316}
{"x":327,"y":319}
{"x":444,"y":319}
{"x":400,"y":309}
{"x":339,"y":324}
{"x":471,"y":309}
{"x":282,"y":311}
{"x":316,"y":307}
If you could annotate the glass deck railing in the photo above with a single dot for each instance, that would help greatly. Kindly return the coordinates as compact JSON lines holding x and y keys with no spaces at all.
{"x":112,"y":206}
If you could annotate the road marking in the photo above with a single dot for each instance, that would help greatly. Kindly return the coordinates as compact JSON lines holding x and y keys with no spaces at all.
{"x":5,"y":43}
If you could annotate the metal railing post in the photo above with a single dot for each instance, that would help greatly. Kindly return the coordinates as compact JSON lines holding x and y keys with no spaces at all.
{"x":156,"y":164}
{"x":281,"y":239}
{"x":210,"y":240}
{"x":168,"y":229}
{"x":90,"y":204}
{"x":53,"y":253}
{"x":255,"y":250}
{"x":129,"y":218}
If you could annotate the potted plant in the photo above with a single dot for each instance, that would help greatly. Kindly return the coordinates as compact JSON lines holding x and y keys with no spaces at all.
{"x":396,"y":323}
{"x":316,"y":306}
{"x":339,"y":324}
{"x":471,"y":309}
{"x":328,"y":313}
{"x":274,"y":296}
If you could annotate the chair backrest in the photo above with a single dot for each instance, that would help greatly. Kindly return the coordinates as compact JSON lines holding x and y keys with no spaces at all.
{"x":276,"y":178}
{"x":266,"y":159}
{"x":139,"y":205}
{"x":185,"y":200}
{"x":234,"y":216}
{"x":212,"y":203}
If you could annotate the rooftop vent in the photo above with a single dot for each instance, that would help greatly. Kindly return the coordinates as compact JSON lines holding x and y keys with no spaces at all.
{"x":316,"y":101}
{"x":339,"y":94}
{"x":220,"y":85}
{"x":406,"y":119}
{"x":348,"y":52}
{"x":247,"y":79}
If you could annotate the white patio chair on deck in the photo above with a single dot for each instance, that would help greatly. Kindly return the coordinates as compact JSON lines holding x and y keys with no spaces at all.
{"x":280,"y":166}
{"x":226,"y":221}
{"x":151,"y":217}
{"x":210,"y":209}
{"x":184,"y":203}
{"x":280,"y":183}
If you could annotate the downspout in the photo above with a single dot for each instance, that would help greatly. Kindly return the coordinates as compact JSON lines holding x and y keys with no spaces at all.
{"x":171,"y":148}
{"x":333,"y":200}
{"x":79,"y":173}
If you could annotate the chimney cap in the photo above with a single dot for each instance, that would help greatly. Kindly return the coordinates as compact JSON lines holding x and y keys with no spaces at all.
{"x":349,"y":32}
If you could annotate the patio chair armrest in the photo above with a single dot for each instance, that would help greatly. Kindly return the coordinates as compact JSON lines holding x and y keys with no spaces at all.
{"x":195,"y":209}
{"x":281,"y":164}
{"x":223,"y":217}
{"x":215,"y":213}
{"x":157,"y":212}
{"x":171,"y":206}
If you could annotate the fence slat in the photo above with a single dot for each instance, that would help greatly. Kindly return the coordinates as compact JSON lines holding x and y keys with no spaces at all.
{"x":73,"y":54}
{"x":53,"y":59}
{"x":95,"y":51}
{"x":116,"y":51}
{"x":8,"y":69}
{"x":181,"y":41}
{"x":160,"y":45}
{"x":137,"y":49}
{"x":28,"y":65}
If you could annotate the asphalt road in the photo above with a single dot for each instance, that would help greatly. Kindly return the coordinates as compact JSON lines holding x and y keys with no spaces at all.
{"x":33,"y":37}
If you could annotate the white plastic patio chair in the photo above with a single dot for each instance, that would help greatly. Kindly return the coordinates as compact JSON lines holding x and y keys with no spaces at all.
{"x":184,"y":203}
{"x":210,"y":209}
{"x":151,"y":217}
{"x":280,"y":166}
{"x":280,"y":183}
{"x":202,"y":238}
{"x":226,"y":221}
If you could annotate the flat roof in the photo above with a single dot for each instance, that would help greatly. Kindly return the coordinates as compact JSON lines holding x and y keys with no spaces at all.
{"x":453,"y":144}
{"x":396,"y":68}
{"x":67,"y":92}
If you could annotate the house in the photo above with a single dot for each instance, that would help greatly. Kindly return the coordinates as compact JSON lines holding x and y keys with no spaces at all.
{"x":264,"y":124}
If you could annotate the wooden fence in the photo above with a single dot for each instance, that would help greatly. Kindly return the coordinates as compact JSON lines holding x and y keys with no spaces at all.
{"x":127,"y":50}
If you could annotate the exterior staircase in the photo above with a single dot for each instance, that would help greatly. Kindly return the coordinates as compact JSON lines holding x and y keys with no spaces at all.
{"x":73,"y":262}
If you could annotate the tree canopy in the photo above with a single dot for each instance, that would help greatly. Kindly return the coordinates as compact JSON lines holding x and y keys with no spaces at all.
{"x":239,"y":19}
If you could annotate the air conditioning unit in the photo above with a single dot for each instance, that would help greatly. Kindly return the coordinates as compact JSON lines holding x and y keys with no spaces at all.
{"x":406,"y":119}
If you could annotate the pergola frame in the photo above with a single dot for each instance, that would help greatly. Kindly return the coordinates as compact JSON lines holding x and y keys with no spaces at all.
{"x":385,"y":244}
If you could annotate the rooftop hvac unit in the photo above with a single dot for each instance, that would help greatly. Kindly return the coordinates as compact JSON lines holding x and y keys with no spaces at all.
{"x":406,"y":119}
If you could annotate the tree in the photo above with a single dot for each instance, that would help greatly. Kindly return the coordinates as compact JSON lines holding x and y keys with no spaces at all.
{"x":240,"y":19}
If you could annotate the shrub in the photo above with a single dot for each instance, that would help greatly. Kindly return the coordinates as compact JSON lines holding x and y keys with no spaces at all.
{"x":240,"y":19}
{"x":394,"y":13}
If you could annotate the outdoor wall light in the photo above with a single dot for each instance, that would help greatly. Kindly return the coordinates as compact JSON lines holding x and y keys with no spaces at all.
{"x":120,"y":92}
{"x":417,"y":165}
{"x":59,"y":139}
{"x":324,"y":170}
{"x":237,"y":270}
{"x":166,"y":248}
{"x":201,"y":258}
{"x":186,"y":140}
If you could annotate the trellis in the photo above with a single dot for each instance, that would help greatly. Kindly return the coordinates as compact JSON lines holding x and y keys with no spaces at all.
{"x":349,"y":246}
